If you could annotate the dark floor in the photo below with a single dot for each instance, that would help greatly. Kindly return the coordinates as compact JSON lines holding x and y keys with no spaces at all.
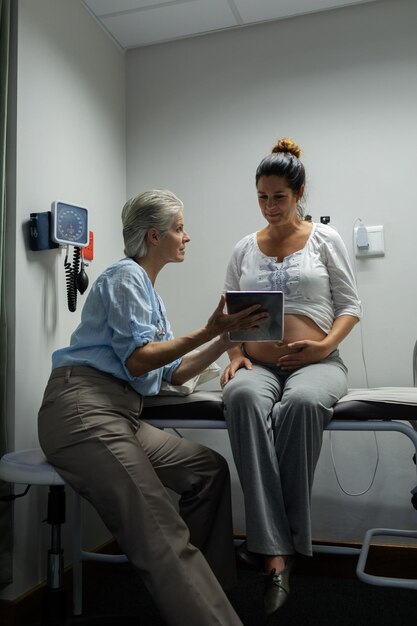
{"x":315,"y":600}
{"x":324,"y":592}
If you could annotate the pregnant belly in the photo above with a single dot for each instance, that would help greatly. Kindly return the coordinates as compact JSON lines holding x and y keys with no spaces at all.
{"x":296,"y":328}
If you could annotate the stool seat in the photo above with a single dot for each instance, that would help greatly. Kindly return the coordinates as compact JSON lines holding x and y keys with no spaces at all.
{"x":28,"y":467}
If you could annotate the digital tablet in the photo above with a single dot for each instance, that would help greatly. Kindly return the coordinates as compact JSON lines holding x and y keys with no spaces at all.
{"x":272,"y":329}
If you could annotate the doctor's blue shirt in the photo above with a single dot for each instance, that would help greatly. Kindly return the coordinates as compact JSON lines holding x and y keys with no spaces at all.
{"x":121,"y":313}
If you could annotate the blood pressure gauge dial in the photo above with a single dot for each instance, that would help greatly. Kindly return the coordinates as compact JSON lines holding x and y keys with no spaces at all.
{"x":69,"y":224}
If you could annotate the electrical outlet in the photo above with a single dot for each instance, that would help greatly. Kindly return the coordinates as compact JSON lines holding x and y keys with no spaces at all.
{"x":375,"y":240}
{"x":88,"y":251}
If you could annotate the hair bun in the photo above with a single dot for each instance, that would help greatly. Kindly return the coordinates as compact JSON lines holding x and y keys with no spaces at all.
{"x":287,"y":145}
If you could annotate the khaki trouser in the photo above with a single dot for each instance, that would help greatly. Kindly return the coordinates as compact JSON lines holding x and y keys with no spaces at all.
{"x":90,"y":431}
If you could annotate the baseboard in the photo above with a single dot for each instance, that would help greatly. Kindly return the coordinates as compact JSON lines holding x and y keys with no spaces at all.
{"x":384,"y":560}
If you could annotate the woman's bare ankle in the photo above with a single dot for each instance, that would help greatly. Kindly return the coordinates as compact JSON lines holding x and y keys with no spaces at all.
{"x":277,"y":562}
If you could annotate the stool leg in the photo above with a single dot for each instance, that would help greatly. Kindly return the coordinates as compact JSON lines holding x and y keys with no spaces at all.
{"x":77,"y":570}
{"x":54,"y":600}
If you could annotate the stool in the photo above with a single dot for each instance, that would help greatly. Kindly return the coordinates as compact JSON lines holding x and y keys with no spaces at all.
{"x":30,"y":467}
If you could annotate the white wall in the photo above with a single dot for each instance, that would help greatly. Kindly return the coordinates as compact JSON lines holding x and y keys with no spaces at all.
{"x":70,"y":145}
{"x":202,"y":112}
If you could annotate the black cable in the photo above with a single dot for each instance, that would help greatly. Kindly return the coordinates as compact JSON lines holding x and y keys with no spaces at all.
{"x":13,"y":496}
{"x":72,"y":272}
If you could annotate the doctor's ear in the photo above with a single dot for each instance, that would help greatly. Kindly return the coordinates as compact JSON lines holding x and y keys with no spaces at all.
{"x":153,"y":236}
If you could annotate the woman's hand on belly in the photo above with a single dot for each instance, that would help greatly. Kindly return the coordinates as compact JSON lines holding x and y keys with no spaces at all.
{"x":301,"y":353}
{"x":307,"y":350}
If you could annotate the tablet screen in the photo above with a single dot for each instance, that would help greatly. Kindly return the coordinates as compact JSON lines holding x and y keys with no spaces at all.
{"x":272,"y":329}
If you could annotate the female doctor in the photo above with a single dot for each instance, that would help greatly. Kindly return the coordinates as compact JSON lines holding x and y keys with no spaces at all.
{"x":90,"y":428}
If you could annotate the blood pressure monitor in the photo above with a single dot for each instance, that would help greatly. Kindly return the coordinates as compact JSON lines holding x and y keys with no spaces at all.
{"x":69,"y":224}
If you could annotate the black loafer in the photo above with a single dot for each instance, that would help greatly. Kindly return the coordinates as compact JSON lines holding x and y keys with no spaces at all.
{"x":250,"y":560}
{"x":277,"y":588}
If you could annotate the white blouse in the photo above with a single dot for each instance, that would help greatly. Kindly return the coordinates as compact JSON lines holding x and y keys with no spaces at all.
{"x":317,"y":281}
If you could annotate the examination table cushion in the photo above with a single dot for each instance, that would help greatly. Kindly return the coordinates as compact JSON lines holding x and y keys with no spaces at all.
{"x":208,"y":405}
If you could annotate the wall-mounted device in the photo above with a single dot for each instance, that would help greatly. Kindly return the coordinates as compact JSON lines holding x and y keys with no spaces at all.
{"x":40,"y":229}
{"x":369,"y":241}
{"x":65,"y":225}
{"x":69,"y":224}
{"x":70,"y":227}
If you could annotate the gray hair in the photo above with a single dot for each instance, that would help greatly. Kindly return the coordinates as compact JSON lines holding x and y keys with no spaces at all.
{"x":155,"y":208}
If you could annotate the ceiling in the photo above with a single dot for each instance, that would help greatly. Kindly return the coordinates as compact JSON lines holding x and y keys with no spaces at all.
{"x":135,"y":23}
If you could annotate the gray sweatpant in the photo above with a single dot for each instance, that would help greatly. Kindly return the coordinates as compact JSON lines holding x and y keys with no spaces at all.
{"x":89,"y":429}
{"x":275,"y":421}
